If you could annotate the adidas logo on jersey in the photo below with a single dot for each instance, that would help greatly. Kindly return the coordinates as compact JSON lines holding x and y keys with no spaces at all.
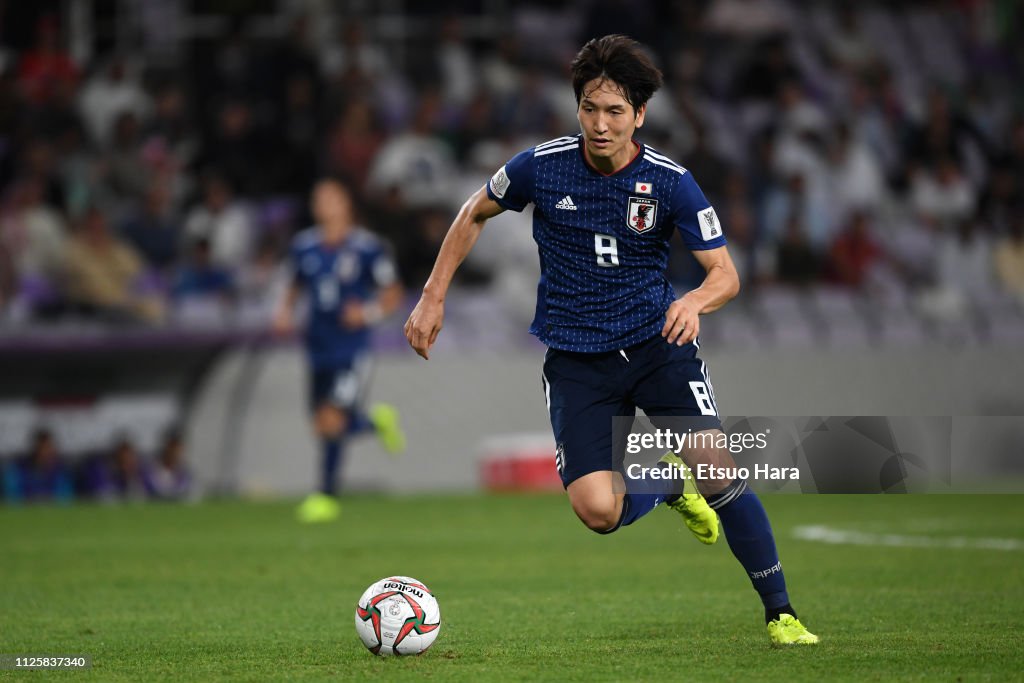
{"x":566,"y":204}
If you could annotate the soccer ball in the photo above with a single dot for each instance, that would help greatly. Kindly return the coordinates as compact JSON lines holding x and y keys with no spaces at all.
{"x":398,"y":616}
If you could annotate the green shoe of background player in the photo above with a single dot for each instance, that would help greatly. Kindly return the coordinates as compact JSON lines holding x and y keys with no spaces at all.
{"x":787,"y":630}
{"x":700,"y":519}
{"x":318,"y":507}
{"x":388,"y":426}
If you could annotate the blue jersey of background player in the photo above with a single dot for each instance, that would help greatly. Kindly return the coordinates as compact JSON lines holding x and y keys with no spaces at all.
{"x":605,"y":207}
{"x":350,"y":282}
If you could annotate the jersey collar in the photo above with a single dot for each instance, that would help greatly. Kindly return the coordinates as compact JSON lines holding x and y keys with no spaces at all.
{"x":586,"y":162}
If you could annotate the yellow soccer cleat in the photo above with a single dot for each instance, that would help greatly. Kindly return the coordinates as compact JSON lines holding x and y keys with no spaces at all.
{"x":388,"y":426}
{"x":698,"y":516}
{"x":318,"y":507}
{"x":787,"y":630}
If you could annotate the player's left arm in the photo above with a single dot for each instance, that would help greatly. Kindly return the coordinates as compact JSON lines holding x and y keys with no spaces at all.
{"x":721,"y":284}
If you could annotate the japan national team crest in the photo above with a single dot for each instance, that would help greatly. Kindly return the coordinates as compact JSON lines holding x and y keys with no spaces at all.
{"x":643,"y":214}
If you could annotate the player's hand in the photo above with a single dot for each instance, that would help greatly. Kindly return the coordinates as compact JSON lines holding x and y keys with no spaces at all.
{"x":423,"y":326}
{"x":682,"y":322}
{"x":283,"y":324}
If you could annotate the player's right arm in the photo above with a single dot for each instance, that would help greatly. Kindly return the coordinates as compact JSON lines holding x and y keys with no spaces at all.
{"x":284,"y":314}
{"x":425,"y":321}
{"x":283,"y":322}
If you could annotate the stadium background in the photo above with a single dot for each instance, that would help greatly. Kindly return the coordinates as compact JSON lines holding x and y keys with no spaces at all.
{"x":866,"y":159}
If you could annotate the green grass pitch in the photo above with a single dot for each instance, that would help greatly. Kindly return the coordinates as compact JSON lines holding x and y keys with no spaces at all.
{"x":240,"y":591}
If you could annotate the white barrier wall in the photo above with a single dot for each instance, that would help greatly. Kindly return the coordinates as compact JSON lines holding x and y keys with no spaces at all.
{"x":453,"y":402}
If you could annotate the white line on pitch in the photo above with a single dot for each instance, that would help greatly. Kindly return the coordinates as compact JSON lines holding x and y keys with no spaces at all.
{"x":825,"y":534}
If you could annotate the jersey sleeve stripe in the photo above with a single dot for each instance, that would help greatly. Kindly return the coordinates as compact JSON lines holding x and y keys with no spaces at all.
{"x":662,"y":157}
{"x":678,"y":169}
{"x":555,"y":150}
{"x":556,"y":142}
{"x":657,"y":155}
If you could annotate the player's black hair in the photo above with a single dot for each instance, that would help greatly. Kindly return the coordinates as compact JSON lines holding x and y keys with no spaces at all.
{"x":621,"y":60}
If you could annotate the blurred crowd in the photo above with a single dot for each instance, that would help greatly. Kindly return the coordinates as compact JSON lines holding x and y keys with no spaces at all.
{"x":46,"y":474}
{"x":871,"y":146}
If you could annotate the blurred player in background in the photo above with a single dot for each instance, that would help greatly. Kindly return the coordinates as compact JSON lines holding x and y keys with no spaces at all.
{"x":351,"y":285}
{"x":605,"y":208}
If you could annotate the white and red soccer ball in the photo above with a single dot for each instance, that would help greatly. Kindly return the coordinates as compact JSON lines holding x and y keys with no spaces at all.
{"x":398,"y":616}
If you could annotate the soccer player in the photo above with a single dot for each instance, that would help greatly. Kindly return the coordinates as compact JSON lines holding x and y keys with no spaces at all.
{"x":351,"y":285}
{"x":605,"y":207}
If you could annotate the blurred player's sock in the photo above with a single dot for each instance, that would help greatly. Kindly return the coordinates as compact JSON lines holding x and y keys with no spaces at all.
{"x":388,"y":426}
{"x":331,"y":460}
{"x":318,"y":507}
{"x":750,"y":538}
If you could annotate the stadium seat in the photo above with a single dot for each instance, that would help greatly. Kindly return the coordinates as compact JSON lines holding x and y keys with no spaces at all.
{"x":1009,"y":330}
{"x":898,"y":329}
{"x":834,"y":303}
{"x":781,"y":303}
{"x":785,"y":312}
{"x":849,"y":333}
{"x":201,"y":313}
{"x":733,"y":329}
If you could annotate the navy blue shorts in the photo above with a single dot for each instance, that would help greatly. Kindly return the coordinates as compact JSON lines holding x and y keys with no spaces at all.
{"x":342,"y":386}
{"x":584,"y":391}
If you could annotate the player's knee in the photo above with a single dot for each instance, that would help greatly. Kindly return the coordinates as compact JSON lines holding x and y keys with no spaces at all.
{"x":330,"y":422}
{"x":718,"y":467}
{"x":599,"y":516}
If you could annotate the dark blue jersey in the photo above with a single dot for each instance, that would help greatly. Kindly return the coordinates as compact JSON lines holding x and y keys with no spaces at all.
{"x":333,"y":275}
{"x":603,"y":240}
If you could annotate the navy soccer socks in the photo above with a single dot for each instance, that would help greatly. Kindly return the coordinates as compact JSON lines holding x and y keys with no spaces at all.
{"x":747,"y":531}
{"x":642,"y":496}
{"x":750,"y":538}
{"x":332,"y":452}
{"x":639,"y":501}
{"x":635,"y":506}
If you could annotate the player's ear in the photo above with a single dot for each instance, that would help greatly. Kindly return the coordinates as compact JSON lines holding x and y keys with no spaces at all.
{"x":640,"y":112}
